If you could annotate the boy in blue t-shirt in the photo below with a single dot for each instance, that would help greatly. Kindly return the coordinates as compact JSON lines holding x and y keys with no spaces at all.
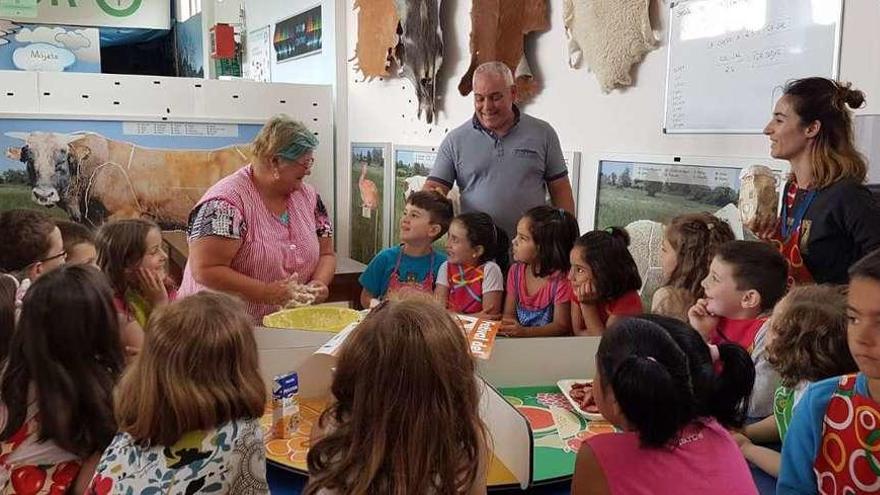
{"x":413,"y":265}
{"x":832,"y":440}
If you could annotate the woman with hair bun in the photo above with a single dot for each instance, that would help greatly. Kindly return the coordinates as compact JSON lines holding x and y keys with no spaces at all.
{"x":828,"y":219}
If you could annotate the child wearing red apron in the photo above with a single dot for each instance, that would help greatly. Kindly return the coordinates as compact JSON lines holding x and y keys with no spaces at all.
{"x":833,"y":442}
{"x":413,"y":265}
{"x":471,"y":281}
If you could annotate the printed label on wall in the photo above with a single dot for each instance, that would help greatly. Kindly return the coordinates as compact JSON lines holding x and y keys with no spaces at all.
{"x":179,"y":129}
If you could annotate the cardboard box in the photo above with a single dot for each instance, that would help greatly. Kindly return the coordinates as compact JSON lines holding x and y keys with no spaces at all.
{"x":519,"y":446}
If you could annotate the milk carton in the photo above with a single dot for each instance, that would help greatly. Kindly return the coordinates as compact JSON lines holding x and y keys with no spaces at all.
{"x":285,"y":405}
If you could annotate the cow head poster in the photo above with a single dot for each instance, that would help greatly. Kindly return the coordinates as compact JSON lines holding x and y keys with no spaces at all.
{"x":94,"y":171}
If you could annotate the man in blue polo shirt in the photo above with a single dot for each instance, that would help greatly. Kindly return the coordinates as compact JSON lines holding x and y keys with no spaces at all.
{"x":504,"y":161}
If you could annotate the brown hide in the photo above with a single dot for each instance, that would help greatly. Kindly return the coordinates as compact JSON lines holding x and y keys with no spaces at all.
{"x":498,"y":34}
{"x":377,"y":35}
{"x":164,"y":185}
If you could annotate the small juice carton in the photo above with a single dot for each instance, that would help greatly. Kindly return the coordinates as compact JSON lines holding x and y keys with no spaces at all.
{"x":285,"y":405}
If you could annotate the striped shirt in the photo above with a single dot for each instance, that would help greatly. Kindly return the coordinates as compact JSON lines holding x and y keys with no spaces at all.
{"x":271,"y":249}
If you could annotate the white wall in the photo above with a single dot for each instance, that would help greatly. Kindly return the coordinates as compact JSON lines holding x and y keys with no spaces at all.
{"x":315,"y":69}
{"x":626,"y":121}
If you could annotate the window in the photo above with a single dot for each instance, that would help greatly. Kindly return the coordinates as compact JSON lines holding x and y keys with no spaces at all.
{"x":187,"y":8}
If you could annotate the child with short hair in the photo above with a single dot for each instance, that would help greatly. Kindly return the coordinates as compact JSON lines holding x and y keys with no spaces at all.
{"x":644,"y":385}
{"x":605,"y":280}
{"x":31,"y":246}
{"x":806,"y":342}
{"x":745,"y":281}
{"x":79,"y":242}
{"x":414,"y":264}
{"x":404,"y":380}
{"x":64,"y":359}
{"x":130,"y":253}
{"x":831,"y":443}
{"x":538,"y":301}
{"x":470,"y":281}
{"x":690,"y":242}
{"x":189,"y":406}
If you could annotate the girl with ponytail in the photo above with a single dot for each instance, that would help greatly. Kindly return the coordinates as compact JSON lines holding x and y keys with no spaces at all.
{"x":605,"y":280}
{"x":657,"y":384}
{"x":689,"y":244}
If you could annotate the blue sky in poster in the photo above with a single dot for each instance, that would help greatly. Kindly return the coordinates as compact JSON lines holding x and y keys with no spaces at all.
{"x":112,"y":130}
{"x":51,"y":48}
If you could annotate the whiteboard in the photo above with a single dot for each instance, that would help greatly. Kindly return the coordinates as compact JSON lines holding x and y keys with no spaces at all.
{"x":728,"y":60}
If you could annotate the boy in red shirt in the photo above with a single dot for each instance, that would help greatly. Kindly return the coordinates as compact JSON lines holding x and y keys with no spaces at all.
{"x":745,"y":281}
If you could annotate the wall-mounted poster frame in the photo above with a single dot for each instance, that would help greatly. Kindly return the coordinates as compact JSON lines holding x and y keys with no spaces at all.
{"x":626,"y":187}
{"x":299,"y":35}
{"x":370,"y":199}
{"x":412,"y":164}
{"x":258,"y":65}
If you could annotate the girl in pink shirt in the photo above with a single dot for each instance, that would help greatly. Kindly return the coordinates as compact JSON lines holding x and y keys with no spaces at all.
{"x":657,"y":387}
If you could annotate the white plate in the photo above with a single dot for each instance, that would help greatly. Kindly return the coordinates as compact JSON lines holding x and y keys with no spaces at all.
{"x":565,"y":387}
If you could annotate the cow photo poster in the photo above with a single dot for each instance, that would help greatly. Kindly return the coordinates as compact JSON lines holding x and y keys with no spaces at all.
{"x":369,"y":208}
{"x":91,"y":171}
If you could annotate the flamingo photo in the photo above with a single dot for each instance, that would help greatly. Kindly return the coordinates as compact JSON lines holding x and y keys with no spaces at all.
{"x":369,"y":191}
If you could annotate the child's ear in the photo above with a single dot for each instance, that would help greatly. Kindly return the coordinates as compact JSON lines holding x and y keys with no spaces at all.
{"x":434,"y":230}
{"x":751,"y":299}
{"x":478,"y":251}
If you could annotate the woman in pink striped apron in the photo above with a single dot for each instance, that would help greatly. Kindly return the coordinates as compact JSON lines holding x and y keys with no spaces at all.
{"x":257,"y":229}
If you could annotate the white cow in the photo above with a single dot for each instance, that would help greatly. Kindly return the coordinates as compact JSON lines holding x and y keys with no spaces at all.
{"x":417,"y":182}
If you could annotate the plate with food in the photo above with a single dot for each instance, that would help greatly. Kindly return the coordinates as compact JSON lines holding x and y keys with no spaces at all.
{"x":313,"y":318}
{"x":579,"y":393}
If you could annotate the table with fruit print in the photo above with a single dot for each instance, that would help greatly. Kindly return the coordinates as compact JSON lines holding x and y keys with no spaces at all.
{"x":557,"y":430}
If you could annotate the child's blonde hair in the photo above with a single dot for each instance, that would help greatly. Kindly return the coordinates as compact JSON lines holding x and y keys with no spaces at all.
{"x":198,"y":370}
{"x":695,"y":237}
{"x":406,"y":416}
{"x":810,"y":343}
{"x":121,"y":245}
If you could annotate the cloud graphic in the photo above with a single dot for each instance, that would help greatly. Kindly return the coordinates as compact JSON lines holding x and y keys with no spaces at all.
{"x":43,"y":57}
{"x":41,"y":34}
{"x":6,"y":28}
{"x":73,"y":40}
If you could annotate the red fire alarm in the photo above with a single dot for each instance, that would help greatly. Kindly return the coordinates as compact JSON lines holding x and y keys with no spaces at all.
{"x":222,"y":41}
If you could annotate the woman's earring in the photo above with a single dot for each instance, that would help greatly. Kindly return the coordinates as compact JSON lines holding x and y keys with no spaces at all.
{"x":276,"y":175}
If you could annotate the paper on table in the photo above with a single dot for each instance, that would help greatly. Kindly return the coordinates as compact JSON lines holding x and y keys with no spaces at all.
{"x":480,"y":335}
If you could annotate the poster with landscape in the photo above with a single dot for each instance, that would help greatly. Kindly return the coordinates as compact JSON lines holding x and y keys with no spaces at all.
{"x":630,"y":191}
{"x":412,"y":165}
{"x":368,"y":207}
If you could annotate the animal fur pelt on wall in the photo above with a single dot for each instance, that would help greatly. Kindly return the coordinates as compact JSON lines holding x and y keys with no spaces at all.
{"x":407,"y":33}
{"x":499,"y":34}
{"x":377,"y":36}
{"x":419,"y":53}
{"x":610,"y":35}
